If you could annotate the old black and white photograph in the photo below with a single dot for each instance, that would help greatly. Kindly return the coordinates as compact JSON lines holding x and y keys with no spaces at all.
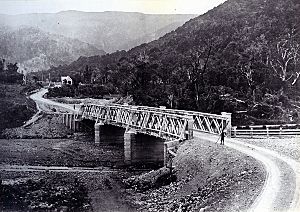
{"x":150,"y":105}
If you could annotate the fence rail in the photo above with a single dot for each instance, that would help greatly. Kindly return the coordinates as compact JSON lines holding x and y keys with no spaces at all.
{"x":267,"y":131}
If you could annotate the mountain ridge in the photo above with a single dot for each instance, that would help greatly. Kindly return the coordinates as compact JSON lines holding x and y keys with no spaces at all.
{"x":109,"y":31}
{"x":35,"y":50}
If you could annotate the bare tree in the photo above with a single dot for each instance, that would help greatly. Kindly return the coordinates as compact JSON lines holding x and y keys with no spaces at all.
{"x":284,"y":60}
{"x":247,"y":71}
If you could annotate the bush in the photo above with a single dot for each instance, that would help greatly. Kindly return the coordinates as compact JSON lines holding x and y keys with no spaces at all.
{"x":284,"y":100}
{"x":64,"y":91}
{"x":271,"y":99}
{"x":92,"y":90}
{"x":8,"y":77}
{"x":261,"y":111}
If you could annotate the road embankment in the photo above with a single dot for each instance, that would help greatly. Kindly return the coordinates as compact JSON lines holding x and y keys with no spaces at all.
{"x":210,"y":177}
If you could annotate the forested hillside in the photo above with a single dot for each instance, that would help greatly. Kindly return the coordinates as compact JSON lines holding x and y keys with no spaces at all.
{"x":241,"y":57}
{"x":36,"y":50}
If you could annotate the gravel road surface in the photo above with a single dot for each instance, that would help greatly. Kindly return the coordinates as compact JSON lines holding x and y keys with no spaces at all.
{"x":281,"y":189}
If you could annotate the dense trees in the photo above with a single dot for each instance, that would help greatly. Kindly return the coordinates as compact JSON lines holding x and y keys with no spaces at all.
{"x":81,"y":91}
{"x":9,"y":72}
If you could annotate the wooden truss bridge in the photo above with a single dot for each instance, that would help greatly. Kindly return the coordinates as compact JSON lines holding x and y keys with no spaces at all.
{"x":161,"y":122}
{"x":171,"y":126}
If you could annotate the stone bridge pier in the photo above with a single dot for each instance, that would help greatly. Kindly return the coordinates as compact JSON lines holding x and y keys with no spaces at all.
{"x":138,"y":148}
{"x":142,"y":148}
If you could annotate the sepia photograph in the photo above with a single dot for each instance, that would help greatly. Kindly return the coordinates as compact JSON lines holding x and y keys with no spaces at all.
{"x":150,"y":105}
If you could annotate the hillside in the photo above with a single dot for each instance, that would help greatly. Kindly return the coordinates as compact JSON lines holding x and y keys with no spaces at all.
{"x":230,"y":59}
{"x":109,"y":31}
{"x":15,"y":107}
{"x":36,"y":50}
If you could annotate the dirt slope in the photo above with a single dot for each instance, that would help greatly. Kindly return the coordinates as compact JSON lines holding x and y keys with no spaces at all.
{"x":210,"y":177}
{"x":15,"y":108}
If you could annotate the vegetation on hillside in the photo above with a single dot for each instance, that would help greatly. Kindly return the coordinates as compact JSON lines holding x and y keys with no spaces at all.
{"x":15,"y":108}
{"x":8,"y":72}
{"x":36,"y":50}
{"x":241,"y":57}
{"x":79,"y":91}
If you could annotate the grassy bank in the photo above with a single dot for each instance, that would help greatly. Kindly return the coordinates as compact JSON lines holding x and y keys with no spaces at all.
{"x":15,"y":107}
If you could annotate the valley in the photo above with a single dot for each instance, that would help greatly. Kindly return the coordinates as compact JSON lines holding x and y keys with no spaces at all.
{"x":127,"y":111}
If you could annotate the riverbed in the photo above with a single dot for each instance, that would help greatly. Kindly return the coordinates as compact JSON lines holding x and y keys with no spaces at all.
{"x":98,"y":168}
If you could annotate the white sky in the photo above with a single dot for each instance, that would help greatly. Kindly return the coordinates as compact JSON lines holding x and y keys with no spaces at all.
{"x":144,"y":6}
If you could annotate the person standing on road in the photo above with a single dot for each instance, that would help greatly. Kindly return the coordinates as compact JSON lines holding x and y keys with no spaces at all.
{"x":222,"y":137}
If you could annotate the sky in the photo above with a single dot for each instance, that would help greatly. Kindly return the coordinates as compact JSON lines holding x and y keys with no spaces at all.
{"x":13,"y":7}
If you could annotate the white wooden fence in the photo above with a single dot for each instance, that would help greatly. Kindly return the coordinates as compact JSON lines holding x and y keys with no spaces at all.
{"x":266,"y":131}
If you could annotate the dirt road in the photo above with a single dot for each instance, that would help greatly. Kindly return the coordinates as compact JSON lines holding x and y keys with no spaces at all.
{"x":48,"y":105}
{"x":281,"y":189}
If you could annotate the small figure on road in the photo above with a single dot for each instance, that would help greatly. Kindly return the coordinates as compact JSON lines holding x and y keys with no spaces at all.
{"x":74,"y":107}
{"x":222,"y":137}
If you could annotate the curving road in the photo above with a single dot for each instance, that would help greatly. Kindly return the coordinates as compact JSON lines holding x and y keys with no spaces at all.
{"x":47,"y":104}
{"x":281,"y":191}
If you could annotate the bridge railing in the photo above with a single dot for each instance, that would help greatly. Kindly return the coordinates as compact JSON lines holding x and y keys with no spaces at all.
{"x":154,"y":122}
{"x":203,"y":122}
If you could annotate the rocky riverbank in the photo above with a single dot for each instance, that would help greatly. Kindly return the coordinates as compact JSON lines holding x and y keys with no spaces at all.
{"x":46,"y":126}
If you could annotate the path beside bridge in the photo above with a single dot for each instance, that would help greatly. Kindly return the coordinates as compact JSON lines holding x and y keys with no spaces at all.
{"x":47,"y":104}
{"x":281,"y":189}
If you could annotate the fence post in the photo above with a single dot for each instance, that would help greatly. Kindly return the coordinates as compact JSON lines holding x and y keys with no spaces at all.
{"x":234,"y":131}
{"x":251,"y":132}
{"x":228,"y":119}
{"x":268,"y":135}
{"x":280,"y":132}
